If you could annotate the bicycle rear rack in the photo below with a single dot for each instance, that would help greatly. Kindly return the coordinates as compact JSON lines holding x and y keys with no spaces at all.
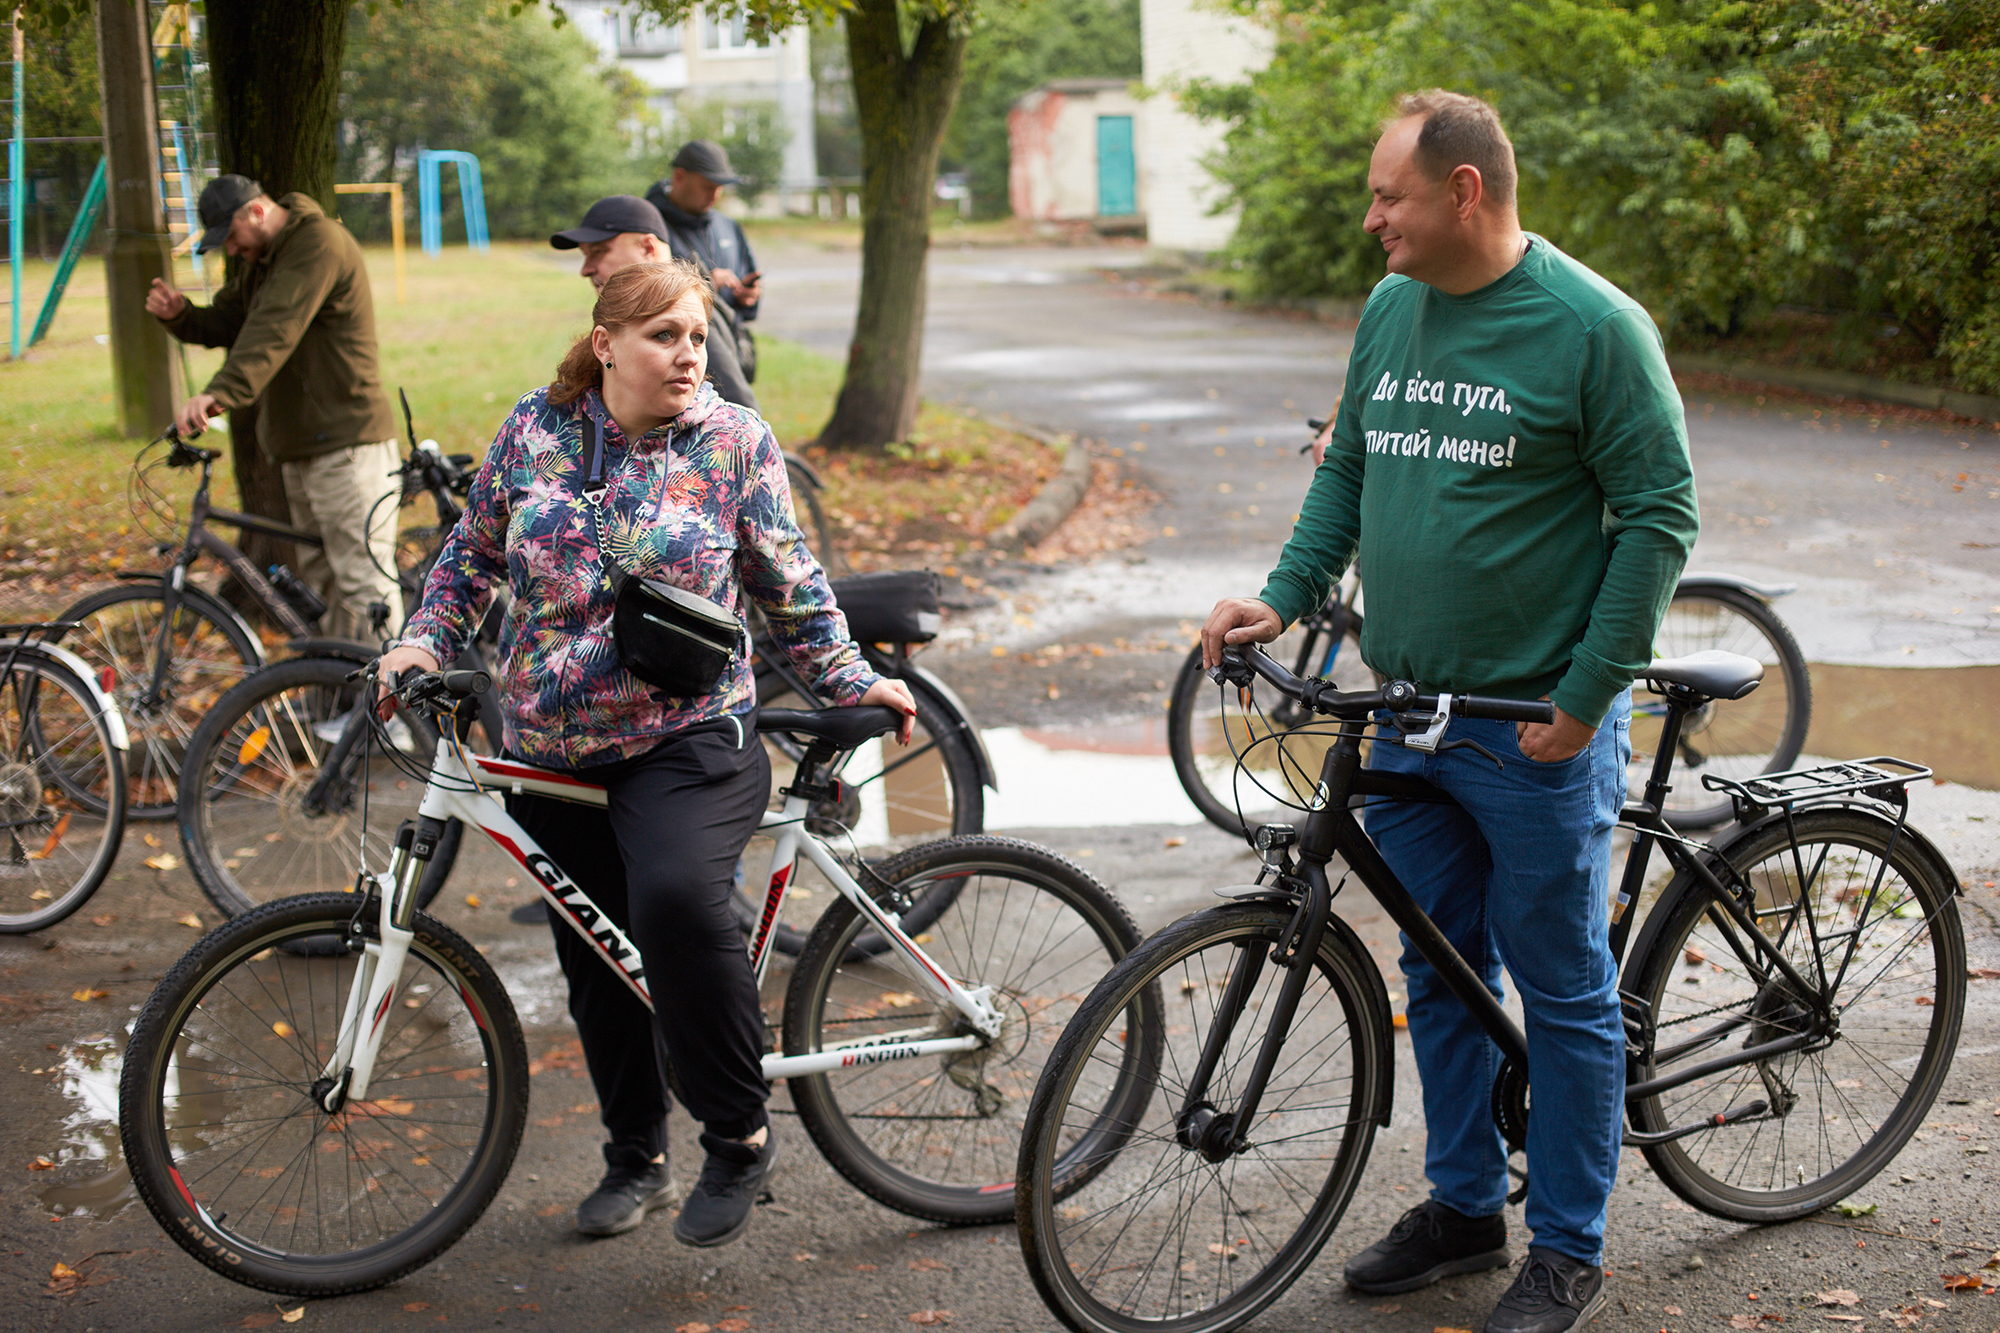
{"x":1846,"y":778}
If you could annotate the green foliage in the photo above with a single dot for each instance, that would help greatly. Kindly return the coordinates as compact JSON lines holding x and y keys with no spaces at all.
{"x":552,"y":128}
{"x":1714,"y":157}
{"x":1018,"y":46}
{"x":754,"y":134}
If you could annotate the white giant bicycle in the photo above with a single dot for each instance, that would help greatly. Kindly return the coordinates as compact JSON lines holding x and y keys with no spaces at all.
{"x":328,"y":1091}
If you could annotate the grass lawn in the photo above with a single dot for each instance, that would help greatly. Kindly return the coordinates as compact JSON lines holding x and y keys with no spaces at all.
{"x":477,"y":332}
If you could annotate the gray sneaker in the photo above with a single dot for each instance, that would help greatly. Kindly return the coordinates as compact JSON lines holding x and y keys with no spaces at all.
{"x":633,"y":1186}
{"x":1551,"y":1293}
{"x":1430,"y":1241}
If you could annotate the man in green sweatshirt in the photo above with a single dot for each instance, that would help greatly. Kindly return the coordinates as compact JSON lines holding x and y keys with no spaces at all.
{"x":299,"y":322}
{"x":1510,"y":462}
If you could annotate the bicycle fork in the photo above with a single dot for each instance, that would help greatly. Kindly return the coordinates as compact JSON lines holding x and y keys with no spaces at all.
{"x":1200,"y":1126}
{"x":379,"y":969}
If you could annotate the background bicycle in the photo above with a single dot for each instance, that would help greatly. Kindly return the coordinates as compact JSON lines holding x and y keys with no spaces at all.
{"x":397,"y":1052}
{"x":62,"y":780}
{"x":1792,"y":1005}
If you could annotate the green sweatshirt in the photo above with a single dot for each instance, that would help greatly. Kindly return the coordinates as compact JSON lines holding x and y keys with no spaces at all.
{"x":300,"y":328}
{"x":1513,"y":466}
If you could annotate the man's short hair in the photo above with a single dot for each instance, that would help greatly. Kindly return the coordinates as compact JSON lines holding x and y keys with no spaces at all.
{"x":1461,"y":131}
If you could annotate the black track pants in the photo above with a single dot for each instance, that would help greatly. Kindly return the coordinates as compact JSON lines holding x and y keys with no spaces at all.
{"x":661,"y":863}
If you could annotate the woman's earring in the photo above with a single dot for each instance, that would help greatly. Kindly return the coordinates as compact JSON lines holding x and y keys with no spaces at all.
{"x":608,"y":365}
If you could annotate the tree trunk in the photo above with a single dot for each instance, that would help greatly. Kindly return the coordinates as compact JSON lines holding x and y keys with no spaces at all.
{"x":904,"y":101}
{"x":275,"y":69}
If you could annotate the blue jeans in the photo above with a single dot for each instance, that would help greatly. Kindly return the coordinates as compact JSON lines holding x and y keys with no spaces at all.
{"x":1518,"y":873}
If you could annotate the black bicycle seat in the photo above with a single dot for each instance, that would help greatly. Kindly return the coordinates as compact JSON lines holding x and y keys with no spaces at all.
{"x":842,"y":728}
{"x":1717,"y":674}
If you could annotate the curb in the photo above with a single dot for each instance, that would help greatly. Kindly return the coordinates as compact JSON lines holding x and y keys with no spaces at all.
{"x":1840,"y":383}
{"x":1054,"y":502}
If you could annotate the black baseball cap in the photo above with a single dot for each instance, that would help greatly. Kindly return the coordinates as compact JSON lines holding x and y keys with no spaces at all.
{"x":218,"y":204}
{"x":704,"y":157}
{"x":610,"y":217}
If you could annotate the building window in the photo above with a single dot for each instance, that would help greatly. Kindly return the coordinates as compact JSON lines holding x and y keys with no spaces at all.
{"x":728,"y":34}
{"x":646,"y":35}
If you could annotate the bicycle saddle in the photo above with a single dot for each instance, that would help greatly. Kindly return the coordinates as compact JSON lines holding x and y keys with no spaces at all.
{"x":842,"y":728}
{"x":1717,"y":674}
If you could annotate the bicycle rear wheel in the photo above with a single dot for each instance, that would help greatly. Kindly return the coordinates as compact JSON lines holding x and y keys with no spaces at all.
{"x":1735,"y":739}
{"x":119,"y":636}
{"x":238,"y":1162}
{"x":1845,"y":1105}
{"x":1207,"y":729}
{"x":1128,"y":1229}
{"x":938,"y":1137}
{"x":255,"y":820}
{"x":62,"y":795}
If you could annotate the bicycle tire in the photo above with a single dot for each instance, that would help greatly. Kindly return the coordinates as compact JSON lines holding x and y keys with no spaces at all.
{"x":1859,"y":1110}
{"x":118,"y":637}
{"x":892,"y":795}
{"x":1736,"y":739}
{"x":812,"y":520}
{"x":250,"y":765}
{"x":62,"y":794}
{"x":240,"y":1029}
{"x":937,"y":1137}
{"x":1202,"y":723}
{"x":1158,"y":1237}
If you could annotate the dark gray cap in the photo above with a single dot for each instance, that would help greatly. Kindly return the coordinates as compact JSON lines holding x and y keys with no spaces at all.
{"x":610,"y":217}
{"x":218,"y":204}
{"x":704,"y":157}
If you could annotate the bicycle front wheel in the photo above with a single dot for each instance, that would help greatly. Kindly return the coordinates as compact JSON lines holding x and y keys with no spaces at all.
{"x":1207,"y":729}
{"x":235,"y":1157}
{"x":1736,"y":739}
{"x":937,"y":1137}
{"x":1880,"y":932}
{"x":261,"y":817}
{"x":62,"y":795}
{"x":208,"y":651}
{"x":1129,"y":1229}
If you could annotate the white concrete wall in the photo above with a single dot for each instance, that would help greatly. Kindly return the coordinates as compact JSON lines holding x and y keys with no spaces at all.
{"x":1052,"y":151}
{"x":1180,"y":40}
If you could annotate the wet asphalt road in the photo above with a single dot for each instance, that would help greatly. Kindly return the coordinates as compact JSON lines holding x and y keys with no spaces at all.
{"x":1042,"y":336}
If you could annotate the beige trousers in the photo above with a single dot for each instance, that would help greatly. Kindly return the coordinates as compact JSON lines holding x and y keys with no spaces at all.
{"x":332,"y":495}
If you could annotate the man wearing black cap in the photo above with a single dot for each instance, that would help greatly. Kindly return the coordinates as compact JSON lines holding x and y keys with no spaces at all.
{"x":624,"y":229}
{"x":709,"y":238}
{"x":299,"y":322}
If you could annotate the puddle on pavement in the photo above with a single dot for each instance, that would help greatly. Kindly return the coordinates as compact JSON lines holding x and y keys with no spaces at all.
{"x":1083,"y":777}
{"x":89,"y":1072}
{"x":1945,"y":718}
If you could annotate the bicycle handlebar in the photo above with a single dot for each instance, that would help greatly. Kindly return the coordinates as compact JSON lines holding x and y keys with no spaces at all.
{"x":1240,"y":665}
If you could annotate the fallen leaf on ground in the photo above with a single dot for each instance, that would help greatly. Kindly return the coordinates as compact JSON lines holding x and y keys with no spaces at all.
{"x":87,"y":994}
{"x":692,"y":1328}
{"x":731,"y":1325}
{"x":1400,"y":1022}
{"x":1674,"y":1310}
{"x":1443,"y":1329}
{"x":864,"y":1268}
{"x":927,"y":1264}
{"x":164,"y":861}
{"x":190,"y":920}
{"x":899,"y":999}
{"x":259,"y":1319}
{"x":472,"y":900}
{"x":1983,"y":973}
{"x":1960,"y":1282}
{"x":1856,"y":1209}
{"x":103,"y":920}
{"x":930,"y":1316}
{"x":415,"y":1306}
{"x":1176,"y":842}
{"x":1744,"y":1321}
{"x":42,"y":1164}
{"x":1839,"y":1296}
{"x":282,"y":1028}
{"x":292,"y":1316}
{"x":1846,"y":1318}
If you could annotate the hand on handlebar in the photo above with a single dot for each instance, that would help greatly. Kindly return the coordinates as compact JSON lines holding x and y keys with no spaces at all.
{"x":1553,"y":742}
{"x":1237,"y":620}
{"x":392,"y":664}
{"x":193,"y":417}
{"x":894,"y":694}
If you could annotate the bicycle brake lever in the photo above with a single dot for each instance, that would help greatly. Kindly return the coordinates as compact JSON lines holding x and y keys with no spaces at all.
{"x":1476,"y":748}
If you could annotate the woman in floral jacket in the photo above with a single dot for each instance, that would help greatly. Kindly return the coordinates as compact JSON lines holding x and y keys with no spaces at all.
{"x":695,"y":496}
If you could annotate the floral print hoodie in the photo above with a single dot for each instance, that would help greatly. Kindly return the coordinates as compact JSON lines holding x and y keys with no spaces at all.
{"x":700,"y":502}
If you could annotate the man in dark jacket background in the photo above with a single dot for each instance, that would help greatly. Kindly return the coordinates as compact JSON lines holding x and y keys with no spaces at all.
{"x":299,"y":322}
{"x":711,"y":239}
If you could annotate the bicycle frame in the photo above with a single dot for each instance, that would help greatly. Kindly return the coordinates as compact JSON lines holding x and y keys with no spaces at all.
{"x":461,"y":787}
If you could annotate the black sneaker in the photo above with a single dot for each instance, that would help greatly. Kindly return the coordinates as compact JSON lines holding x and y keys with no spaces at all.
{"x":633,"y":1186}
{"x":718,"y":1210}
{"x":1429,"y":1242}
{"x":1552,"y":1292}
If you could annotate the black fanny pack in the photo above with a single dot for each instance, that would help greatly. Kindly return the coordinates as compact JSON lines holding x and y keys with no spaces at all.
{"x":670,"y":638}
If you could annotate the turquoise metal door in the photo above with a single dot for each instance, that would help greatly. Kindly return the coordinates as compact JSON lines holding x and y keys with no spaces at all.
{"x":1117,"y":173}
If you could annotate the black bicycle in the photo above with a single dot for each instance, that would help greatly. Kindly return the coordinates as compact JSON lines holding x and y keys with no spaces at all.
{"x":1791,"y":1007}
